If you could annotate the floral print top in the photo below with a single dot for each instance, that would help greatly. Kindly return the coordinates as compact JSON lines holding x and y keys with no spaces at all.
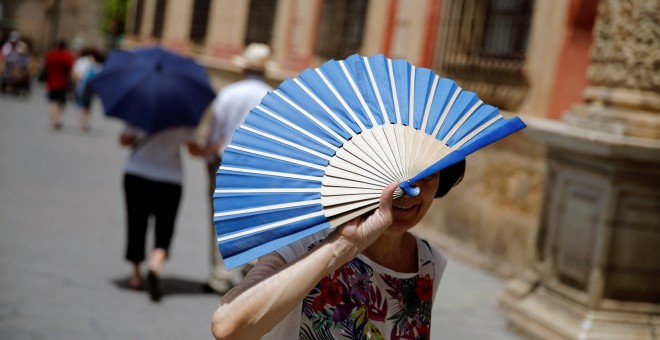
{"x":363,"y":300}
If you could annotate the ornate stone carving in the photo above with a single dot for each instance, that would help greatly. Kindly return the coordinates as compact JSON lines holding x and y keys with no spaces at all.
{"x":626,"y":48}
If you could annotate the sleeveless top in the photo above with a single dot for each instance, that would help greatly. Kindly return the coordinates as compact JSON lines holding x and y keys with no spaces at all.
{"x":364,"y":300}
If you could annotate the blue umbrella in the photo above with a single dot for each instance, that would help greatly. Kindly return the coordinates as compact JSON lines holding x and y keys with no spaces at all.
{"x":153,"y":89}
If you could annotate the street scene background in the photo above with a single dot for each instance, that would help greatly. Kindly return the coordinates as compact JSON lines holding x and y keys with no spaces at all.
{"x":62,"y":229}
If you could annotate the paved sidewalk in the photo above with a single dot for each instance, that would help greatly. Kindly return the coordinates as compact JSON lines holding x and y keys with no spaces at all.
{"x":62,"y":241}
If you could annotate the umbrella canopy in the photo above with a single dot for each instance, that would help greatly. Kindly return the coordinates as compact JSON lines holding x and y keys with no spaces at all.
{"x":153,"y":89}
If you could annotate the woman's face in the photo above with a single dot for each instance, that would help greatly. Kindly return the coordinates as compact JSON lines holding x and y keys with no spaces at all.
{"x":407,"y":211}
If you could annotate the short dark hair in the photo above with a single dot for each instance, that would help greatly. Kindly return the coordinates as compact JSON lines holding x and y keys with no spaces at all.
{"x":449,"y":177}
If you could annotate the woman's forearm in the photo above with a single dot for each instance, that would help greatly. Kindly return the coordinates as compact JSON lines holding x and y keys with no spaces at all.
{"x":254,"y":307}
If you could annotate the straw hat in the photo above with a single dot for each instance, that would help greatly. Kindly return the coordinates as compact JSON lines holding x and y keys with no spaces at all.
{"x":254,"y":57}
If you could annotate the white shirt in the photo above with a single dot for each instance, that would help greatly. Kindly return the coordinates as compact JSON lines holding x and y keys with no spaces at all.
{"x":231,"y":106}
{"x":157,"y":157}
{"x":289,"y":327}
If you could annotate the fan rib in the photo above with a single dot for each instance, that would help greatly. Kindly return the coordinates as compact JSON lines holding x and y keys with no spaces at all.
{"x":267,"y":208}
{"x":458,"y":124}
{"x":343,"y":208}
{"x":381,"y":139}
{"x":429,"y":102}
{"x":286,"y":142}
{"x":388,"y":131}
{"x":282,"y":158}
{"x":411,"y":99}
{"x":359,"y":95}
{"x":269,"y":226}
{"x":340,"y":219}
{"x":271,"y":173}
{"x":350,"y":175}
{"x":297,"y":128}
{"x":268,"y":191}
{"x":362,"y":145}
{"x":445,"y":112}
{"x":339,"y":164}
{"x":327,"y":109}
{"x":477,"y":131}
{"x":394,"y":94}
{"x":375,"y":87}
{"x":312,"y":118}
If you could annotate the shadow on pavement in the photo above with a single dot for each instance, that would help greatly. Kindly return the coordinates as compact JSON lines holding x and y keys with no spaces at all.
{"x":173,"y":286}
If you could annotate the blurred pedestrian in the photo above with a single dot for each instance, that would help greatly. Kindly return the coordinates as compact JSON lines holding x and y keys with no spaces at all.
{"x":58,"y":63}
{"x":85,"y":68}
{"x":152,"y":187}
{"x":229,"y":109}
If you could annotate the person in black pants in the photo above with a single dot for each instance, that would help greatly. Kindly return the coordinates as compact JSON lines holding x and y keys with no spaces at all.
{"x":152,"y":188}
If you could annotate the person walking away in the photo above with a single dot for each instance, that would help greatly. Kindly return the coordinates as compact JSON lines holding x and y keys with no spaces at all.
{"x":153,"y":177}
{"x":84,"y":69}
{"x":58,"y":63}
{"x":228,"y":112}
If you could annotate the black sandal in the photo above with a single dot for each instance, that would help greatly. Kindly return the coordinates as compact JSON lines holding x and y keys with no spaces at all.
{"x":154,"y":286}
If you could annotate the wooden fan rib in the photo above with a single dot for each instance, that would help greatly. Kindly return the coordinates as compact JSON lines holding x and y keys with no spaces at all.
{"x":342,"y":101}
{"x":365,"y":107}
{"x":411,"y":98}
{"x":340,"y":173}
{"x":345,"y":183}
{"x":429,"y":101}
{"x":354,"y":155}
{"x":271,"y":173}
{"x":350,"y":171}
{"x":340,"y":209}
{"x":345,"y":160}
{"x":310,"y":117}
{"x":379,"y":136}
{"x":297,"y":128}
{"x":340,"y":219}
{"x":363,"y":150}
{"x":388,"y":131}
{"x":381,"y":105}
{"x":267,"y":208}
{"x":477,"y":131}
{"x":462,"y":120}
{"x":329,"y":201}
{"x":343,"y":191}
{"x":395,"y":96}
{"x":448,"y":107}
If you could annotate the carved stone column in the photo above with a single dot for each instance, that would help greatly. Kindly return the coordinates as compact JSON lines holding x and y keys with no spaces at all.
{"x":598,"y":246}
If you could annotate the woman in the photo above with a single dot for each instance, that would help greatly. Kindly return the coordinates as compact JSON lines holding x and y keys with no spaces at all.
{"x":152,"y":186}
{"x":368,"y":278}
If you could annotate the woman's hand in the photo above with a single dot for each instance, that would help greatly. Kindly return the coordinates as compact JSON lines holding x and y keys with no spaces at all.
{"x":364,"y":230}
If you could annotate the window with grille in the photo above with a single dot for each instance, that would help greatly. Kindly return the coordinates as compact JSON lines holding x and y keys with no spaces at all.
{"x":159,"y":18}
{"x":341,"y":28}
{"x":137,"y":19}
{"x":260,"y":21}
{"x":200,"y":19}
{"x":506,"y":28}
{"x":483,"y":46}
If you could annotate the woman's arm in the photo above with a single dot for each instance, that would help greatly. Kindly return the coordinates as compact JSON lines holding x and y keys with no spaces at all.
{"x":273,"y":288}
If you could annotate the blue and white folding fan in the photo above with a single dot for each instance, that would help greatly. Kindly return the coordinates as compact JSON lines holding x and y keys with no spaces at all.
{"x":319,"y":150}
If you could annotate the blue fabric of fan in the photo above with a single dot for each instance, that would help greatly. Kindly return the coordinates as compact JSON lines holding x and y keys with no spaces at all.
{"x":276,"y":104}
{"x":250,"y":221}
{"x":249,"y":248}
{"x":239,"y":180}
